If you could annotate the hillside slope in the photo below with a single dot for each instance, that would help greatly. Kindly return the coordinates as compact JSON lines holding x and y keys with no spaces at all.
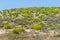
{"x":35,"y":21}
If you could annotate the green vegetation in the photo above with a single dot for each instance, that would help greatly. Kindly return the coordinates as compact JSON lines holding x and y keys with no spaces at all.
{"x":22,"y":23}
{"x":8,"y":26}
{"x":17,"y":30}
{"x":27,"y":15}
{"x":37,"y":26}
{"x":30,"y":17}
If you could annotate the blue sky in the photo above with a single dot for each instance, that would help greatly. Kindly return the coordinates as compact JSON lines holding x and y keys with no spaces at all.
{"x":8,"y":4}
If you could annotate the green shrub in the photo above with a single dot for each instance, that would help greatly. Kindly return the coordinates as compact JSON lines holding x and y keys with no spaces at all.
{"x":37,"y":26}
{"x":37,"y":14}
{"x":27,"y":15}
{"x":8,"y":26}
{"x":36,"y":19}
{"x":17,"y":30}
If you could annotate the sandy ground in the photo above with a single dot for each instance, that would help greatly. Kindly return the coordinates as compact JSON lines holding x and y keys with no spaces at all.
{"x":2,"y":31}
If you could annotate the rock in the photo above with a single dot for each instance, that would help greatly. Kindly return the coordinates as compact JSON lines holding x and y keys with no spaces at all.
{"x":28,"y":30}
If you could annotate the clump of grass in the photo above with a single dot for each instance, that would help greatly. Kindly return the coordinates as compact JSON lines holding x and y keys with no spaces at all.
{"x":8,"y":26}
{"x":37,"y":26}
{"x":36,"y":19}
{"x":17,"y":30}
{"x":27,"y":15}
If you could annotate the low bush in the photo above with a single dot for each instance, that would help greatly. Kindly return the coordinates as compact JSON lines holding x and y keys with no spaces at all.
{"x":37,"y":26}
{"x":17,"y":30}
{"x":8,"y":26}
